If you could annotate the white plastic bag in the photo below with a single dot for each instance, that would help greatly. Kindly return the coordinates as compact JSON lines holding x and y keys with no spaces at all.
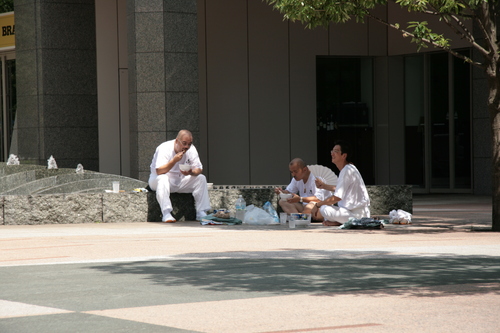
{"x":399,"y":217}
{"x":255,"y":215}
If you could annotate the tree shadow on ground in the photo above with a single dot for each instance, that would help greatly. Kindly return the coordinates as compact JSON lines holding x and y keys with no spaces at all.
{"x":321,"y":272}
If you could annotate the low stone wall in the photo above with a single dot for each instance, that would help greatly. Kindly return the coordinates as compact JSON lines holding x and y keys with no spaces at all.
{"x":142,"y":207}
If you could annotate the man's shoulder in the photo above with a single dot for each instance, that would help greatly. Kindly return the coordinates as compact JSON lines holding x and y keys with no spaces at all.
{"x":192,"y":152}
{"x":166,"y":144}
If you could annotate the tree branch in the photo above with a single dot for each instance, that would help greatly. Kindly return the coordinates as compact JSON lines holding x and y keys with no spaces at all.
{"x":464,"y":33}
{"x":427,"y":41}
{"x":488,"y":28}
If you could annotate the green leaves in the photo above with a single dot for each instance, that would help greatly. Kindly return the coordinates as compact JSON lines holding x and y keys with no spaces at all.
{"x":6,"y":6}
{"x":440,"y":6}
{"x":315,"y":13}
{"x":423,"y":35}
{"x":322,"y":12}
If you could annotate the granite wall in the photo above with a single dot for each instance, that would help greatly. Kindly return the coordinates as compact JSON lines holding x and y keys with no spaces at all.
{"x":141,"y":207}
{"x":56,"y":82}
{"x":163,"y":76}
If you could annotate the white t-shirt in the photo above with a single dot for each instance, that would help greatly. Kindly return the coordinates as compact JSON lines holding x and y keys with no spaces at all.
{"x":165,"y":152}
{"x":351,"y":189}
{"x":307,"y":189}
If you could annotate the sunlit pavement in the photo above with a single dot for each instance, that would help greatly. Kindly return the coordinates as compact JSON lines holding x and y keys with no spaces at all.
{"x":439,"y":274}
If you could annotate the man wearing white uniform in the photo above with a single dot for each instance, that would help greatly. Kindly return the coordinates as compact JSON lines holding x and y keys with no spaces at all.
{"x":166,"y":176}
{"x":350,"y":193}
{"x":303,"y":188}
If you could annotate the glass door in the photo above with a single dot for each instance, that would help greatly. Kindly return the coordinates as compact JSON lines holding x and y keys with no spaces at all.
{"x":437,"y":117}
{"x":344,"y":99}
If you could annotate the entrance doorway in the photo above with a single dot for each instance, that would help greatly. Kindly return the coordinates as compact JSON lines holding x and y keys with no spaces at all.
{"x":8,"y":102}
{"x":344,"y":99}
{"x":437,"y":123}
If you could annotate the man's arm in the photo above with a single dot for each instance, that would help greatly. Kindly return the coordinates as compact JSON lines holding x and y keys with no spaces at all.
{"x":321,"y":185}
{"x":170,"y":164}
{"x":329,"y":201}
{"x":193,"y":172}
{"x":296,"y":198}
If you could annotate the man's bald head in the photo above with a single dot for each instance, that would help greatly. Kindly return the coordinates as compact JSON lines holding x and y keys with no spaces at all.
{"x":183,"y":133}
{"x":298,"y":162}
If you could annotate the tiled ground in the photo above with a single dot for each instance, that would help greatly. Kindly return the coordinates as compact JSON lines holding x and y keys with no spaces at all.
{"x":433,"y":276}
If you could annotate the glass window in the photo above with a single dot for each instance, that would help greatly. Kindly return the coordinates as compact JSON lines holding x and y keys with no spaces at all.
{"x":344,"y":89}
{"x":414,"y":121}
{"x":462,"y":121}
{"x":437,"y":122}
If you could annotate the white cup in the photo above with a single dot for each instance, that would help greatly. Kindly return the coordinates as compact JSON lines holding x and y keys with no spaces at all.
{"x":291,"y":223}
{"x":283,"y":217}
{"x":116,"y":186}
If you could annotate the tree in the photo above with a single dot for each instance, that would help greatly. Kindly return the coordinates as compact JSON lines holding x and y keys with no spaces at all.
{"x":6,"y":6}
{"x":453,"y":14}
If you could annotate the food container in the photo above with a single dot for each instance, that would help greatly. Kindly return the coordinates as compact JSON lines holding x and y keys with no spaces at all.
{"x":185,"y":167}
{"x":300,"y":219}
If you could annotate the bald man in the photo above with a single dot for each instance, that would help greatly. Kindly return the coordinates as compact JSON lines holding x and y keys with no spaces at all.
{"x":166,"y":177}
{"x":303,"y":188}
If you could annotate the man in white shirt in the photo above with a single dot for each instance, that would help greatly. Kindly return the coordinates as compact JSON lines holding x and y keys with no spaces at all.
{"x":166,"y":176}
{"x":303,"y":188}
{"x":350,"y":193}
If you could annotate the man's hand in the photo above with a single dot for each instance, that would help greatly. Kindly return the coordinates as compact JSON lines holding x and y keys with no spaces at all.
{"x":177,"y":157}
{"x":319,"y":183}
{"x":192,"y":172}
{"x":322,"y":186}
{"x":295,"y":198}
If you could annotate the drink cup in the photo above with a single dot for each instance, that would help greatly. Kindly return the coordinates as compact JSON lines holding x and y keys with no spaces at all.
{"x":116,"y":186}
{"x":283,"y":218}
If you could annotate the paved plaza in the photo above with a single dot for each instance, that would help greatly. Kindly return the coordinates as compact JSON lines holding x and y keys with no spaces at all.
{"x":439,"y":274}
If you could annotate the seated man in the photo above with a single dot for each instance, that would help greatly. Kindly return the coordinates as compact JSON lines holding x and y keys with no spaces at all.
{"x":303,"y":183}
{"x":350,"y":193}
{"x":166,"y":176}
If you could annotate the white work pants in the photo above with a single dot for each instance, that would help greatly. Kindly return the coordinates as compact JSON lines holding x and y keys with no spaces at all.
{"x":342,"y":215}
{"x":166,"y":184}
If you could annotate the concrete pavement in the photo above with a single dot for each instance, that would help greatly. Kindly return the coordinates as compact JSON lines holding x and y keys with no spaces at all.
{"x":439,"y":274}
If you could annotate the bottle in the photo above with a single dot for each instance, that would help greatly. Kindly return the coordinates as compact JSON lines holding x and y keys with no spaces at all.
{"x":240,"y":208}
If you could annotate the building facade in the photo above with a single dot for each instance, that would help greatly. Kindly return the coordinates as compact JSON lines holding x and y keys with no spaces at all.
{"x":102,"y":83}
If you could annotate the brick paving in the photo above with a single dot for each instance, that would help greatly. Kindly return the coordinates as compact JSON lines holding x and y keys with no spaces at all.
{"x":439,"y":274}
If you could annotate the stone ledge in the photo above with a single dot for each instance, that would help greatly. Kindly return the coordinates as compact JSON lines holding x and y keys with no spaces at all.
{"x":142,"y":207}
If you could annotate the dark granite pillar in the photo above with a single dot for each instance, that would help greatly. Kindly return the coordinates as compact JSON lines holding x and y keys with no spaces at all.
{"x":56,"y":82}
{"x":163,"y":75}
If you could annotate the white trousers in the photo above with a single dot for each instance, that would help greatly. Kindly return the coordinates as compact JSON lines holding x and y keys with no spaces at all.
{"x":166,"y":184}
{"x":342,"y":215}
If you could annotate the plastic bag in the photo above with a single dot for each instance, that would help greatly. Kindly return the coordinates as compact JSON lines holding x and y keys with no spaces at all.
{"x":268,"y":207}
{"x":399,"y":217}
{"x":255,"y":215}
